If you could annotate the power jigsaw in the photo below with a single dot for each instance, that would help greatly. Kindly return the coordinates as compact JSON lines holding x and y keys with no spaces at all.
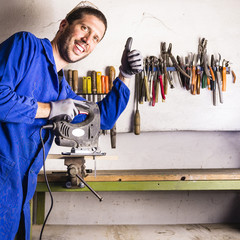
{"x":82,"y":137}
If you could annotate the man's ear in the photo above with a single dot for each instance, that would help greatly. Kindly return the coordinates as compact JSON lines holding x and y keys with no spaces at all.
{"x":63,"y":25}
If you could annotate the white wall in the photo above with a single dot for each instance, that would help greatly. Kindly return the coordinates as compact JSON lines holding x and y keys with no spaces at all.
{"x":159,"y":146}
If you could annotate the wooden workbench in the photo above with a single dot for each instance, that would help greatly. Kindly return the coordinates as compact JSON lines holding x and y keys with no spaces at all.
{"x":140,"y":180}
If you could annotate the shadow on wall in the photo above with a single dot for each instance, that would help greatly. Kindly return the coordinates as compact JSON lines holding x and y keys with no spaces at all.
{"x":233,"y":215}
{"x":25,"y":15}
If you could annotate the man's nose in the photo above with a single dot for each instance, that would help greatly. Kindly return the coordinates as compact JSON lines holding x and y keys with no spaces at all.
{"x":87,"y":38}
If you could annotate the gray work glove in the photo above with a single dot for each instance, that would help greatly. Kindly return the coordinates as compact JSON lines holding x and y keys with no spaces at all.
{"x":132,"y":61}
{"x":63,"y":110}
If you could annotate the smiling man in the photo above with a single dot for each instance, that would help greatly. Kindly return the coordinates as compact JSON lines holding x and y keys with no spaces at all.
{"x":33,"y":90}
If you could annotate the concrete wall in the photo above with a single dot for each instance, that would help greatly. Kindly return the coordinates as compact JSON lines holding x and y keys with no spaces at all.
{"x":184,"y":132}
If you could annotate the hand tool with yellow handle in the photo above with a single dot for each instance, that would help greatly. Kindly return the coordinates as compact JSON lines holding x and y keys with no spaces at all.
{"x":84,"y":85}
{"x":99,"y":86}
{"x":233,"y":76}
{"x":70,"y":79}
{"x":113,"y":132}
{"x":75,"y":81}
{"x":89,"y":88}
{"x":94,"y":84}
{"x":89,"y":85}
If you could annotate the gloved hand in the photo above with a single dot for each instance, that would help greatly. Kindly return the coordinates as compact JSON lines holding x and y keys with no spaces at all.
{"x":63,"y":110}
{"x":132,"y":61}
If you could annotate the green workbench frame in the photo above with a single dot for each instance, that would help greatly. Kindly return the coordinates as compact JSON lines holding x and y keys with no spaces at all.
{"x":216,"y":185}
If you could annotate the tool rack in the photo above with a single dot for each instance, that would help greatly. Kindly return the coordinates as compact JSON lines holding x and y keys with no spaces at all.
{"x":139,"y":180}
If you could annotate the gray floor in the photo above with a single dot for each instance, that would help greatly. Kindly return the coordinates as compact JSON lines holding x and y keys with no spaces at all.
{"x":139,"y":232}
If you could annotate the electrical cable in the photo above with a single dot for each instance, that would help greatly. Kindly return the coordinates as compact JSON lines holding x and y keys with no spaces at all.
{"x":45,"y":176}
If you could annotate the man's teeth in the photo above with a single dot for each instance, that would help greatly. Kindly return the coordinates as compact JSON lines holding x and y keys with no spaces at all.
{"x":80,"y":48}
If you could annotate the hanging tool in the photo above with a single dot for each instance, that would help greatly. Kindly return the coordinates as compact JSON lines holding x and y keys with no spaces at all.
{"x":233,"y":76}
{"x":84,"y":86}
{"x":218,"y":77}
{"x":99,"y":86}
{"x":194,"y":76}
{"x":113,"y":132}
{"x":225,"y":64}
{"x":164,"y":56}
{"x":70,"y":80}
{"x":75,"y":81}
{"x":89,"y":88}
{"x":198,"y":73}
{"x":145,"y":69}
{"x":94,"y":85}
{"x":213,"y":82}
{"x":160,"y":73}
{"x":137,"y":113}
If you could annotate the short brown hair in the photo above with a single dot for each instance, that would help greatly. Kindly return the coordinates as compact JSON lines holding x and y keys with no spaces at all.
{"x":79,"y":12}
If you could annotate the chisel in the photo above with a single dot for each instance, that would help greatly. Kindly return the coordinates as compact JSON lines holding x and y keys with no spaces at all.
{"x":137,"y":114}
{"x":94,"y":84}
{"x":113,"y":132}
{"x":75,"y":81}
{"x":70,"y":80}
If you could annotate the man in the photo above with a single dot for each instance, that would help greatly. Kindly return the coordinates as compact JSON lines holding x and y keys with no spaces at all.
{"x":34,"y":90}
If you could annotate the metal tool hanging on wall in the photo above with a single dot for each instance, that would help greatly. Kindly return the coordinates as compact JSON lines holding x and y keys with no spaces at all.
{"x":194,"y":72}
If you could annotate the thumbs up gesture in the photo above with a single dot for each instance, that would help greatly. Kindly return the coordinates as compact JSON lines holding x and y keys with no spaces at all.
{"x":131,"y":62}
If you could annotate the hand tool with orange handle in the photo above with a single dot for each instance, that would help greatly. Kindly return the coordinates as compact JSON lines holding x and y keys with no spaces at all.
{"x":75,"y":81}
{"x":224,"y":75}
{"x":113,"y":133}
{"x":106,"y":83}
{"x":194,"y":77}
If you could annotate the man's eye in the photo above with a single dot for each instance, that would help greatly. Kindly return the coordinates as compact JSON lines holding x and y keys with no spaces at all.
{"x":85,"y":29}
{"x":96,"y":39}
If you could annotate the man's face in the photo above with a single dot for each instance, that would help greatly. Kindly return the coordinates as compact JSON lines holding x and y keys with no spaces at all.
{"x":76,"y":41}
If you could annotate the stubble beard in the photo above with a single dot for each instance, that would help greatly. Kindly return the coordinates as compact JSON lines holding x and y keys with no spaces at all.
{"x":63,"y":44}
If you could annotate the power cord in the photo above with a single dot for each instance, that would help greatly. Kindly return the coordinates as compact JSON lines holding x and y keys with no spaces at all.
{"x":45,"y":176}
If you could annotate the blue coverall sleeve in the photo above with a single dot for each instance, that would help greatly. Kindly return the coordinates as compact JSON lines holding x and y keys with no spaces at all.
{"x":112,"y":105}
{"x":15,"y":55}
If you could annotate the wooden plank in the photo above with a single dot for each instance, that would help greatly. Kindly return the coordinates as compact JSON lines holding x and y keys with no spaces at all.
{"x":61,"y":156}
{"x":152,"y":175}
